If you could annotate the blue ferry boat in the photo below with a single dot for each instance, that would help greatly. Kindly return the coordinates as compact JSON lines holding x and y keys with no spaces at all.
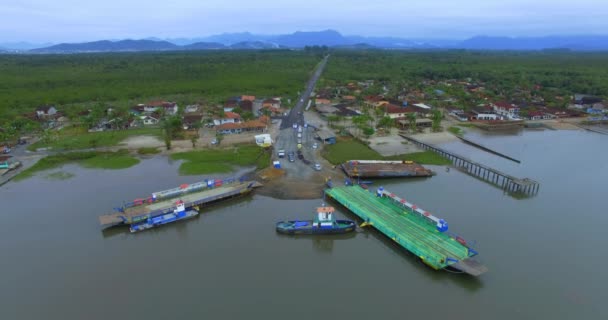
{"x":324,"y":224}
{"x":179,"y":213}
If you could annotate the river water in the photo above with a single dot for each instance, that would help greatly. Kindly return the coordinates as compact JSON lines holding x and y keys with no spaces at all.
{"x":545,"y":254}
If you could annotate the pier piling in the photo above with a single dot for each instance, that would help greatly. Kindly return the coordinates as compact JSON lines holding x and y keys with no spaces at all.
{"x":507,"y":182}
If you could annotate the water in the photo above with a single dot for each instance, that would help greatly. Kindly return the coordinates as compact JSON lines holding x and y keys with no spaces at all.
{"x":546,"y":254}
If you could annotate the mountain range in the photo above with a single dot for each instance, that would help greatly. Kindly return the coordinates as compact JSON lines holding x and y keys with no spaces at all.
{"x":330,"y":38}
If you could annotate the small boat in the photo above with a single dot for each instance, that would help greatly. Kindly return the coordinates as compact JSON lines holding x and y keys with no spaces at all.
{"x":179,"y":213}
{"x":324,"y":224}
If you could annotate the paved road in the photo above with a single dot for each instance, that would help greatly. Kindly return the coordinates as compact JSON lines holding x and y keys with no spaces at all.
{"x":295,"y":115}
{"x":288,"y":137}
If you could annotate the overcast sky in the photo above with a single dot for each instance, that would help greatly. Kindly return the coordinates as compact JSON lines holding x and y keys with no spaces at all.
{"x":81,"y":20}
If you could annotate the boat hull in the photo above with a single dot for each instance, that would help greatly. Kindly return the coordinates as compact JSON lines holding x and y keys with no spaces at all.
{"x":305,"y":227}
{"x":165,"y":219}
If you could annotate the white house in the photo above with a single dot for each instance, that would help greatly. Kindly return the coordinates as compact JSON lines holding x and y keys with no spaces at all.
{"x":508,"y":110}
{"x":148,"y":120}
{"x":191,"y":108}
{"x":229,"y":117}
{"x":45,"y":111}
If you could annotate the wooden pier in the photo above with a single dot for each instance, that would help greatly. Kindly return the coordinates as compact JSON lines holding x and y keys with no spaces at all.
{"x":507,"y":182}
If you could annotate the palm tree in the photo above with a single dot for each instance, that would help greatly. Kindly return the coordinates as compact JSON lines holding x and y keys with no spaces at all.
{"x":411,"y":118}
{"x":437,"y":117}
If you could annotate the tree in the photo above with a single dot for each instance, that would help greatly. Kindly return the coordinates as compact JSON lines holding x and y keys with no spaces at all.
{"x":386,"y":122}
{"x":219,"y":137}
{"x":368,"y":131}
{"x":411,"y":118}
{"x":437,"y":117}
{"x":332,"y":118}
{"x":194,"y":139}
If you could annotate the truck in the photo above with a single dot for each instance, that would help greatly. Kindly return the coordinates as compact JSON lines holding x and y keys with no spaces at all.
{"x":281,"y":153}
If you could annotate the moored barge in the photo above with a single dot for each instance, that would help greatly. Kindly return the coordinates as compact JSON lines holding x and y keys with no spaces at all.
{"x":384,"y":169}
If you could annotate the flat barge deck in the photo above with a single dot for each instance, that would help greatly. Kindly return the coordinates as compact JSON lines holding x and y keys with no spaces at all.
{"x":384,"y":169}
{"x":409,"y":226}
{"x":152,"y":207}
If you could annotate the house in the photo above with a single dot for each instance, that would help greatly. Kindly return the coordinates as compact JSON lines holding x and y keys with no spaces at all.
{"x":583,"y":99}
{"x":395,"y":112}
{"x":248,"y":98}
{"x":539,"y":115}
{"x":229,"y":117}
{"x":192,"y":121}
{"x":272,"y":111}
{"x":271,"y":103}
{"x":192,"y":108}
{"x":240,"y":127}
{"x":459,"y":114}
{"x":374,"y":101}
{"x":228,"y":128}
{"x":484,"y":113}
{"x":149,"y":120}
{"x":230,"y":105}
{"x":348,"y":98}
{"x":508,"y":110}
{"x":321,"y":101}
{"x":246,"y":105}
{"x":170,"y":108}
{"x":45,"y":111}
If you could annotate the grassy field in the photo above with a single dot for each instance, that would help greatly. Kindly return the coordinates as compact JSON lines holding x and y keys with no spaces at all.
{"x":352,"y":149}
{"x":27,"y":81}
{"x":92,"y":159}
{"x":79,"y":138}
{"x":221,"y":160}
{"x":456,"y":130}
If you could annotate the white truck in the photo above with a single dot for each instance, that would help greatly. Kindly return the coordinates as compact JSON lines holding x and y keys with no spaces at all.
{"x":281,"y":153}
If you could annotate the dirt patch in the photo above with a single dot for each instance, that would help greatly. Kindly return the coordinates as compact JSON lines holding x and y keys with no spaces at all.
{"x":137,"y":142}
{"x":435,"y":137}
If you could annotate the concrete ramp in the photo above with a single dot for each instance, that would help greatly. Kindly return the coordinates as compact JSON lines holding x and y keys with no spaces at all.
{"x":470,"y":266}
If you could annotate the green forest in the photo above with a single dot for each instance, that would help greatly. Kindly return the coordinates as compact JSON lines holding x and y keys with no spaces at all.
{"x":503,"y":72}
{"x":27,"y":81}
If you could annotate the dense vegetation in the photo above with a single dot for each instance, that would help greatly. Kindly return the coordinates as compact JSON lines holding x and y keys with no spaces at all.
{"x":221,"y":160}
{"x":502,"y":72}
{"x":27,"y":81}
{"x":350,"y":149}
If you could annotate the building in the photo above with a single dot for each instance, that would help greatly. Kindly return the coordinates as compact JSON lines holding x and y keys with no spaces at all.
{"x":507,"y":110}
{"x":192,"y":108}
{"x":248,"y":98}
{"x":148,"y":120}
{"x":459,"y":114}
{"x":229,"y":117}
{"x":420,"y":123}
{"x":246,"y":105}
{"x":485,"y":114}
{"x":326,"y":136}
{"x":396,"y":112}
{"x":170,"y":108}
{"x":192,"y":121}
{"x":321,"y":101}
{"x":241,"y":127}
{"x":271,"y":103}
{"x":45,"y":111}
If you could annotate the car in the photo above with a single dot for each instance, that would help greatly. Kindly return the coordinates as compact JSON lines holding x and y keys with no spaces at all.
{"x":214,"y":141}
{"x":299,"y":135}
{"x":295,"y":126}
{"x":317,"y":167}
{"x":315,"y":145}
{"x":291,"y":158}
{"x":281,"y":153}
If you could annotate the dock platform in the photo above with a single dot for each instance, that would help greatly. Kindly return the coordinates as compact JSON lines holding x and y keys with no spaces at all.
{"x":407,"y":225}
{"x":142,"y":212}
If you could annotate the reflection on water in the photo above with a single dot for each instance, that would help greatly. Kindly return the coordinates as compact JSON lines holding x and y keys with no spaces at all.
{"x":542,"y":252}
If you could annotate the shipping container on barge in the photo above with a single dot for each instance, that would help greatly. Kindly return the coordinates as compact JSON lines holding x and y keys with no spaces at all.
{"x":163,"y":202}
{"x":384,"y":169}
{"x":413,"y":228}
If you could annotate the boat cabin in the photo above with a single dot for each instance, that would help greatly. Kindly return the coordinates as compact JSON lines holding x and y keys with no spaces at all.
{"x":325,"y":216}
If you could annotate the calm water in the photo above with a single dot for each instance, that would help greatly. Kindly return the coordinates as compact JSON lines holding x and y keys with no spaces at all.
{"x":546,"y":254}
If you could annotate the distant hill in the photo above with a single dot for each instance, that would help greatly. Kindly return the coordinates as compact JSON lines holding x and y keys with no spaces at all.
{"x":204,"y":46}
{"x":109,"y":46}
{"x":254,"y":45}
{"x":331,"y":38}
{"x":584,"y":43}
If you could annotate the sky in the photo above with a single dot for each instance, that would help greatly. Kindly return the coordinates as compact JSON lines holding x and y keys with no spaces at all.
{"x":87,"y":20}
